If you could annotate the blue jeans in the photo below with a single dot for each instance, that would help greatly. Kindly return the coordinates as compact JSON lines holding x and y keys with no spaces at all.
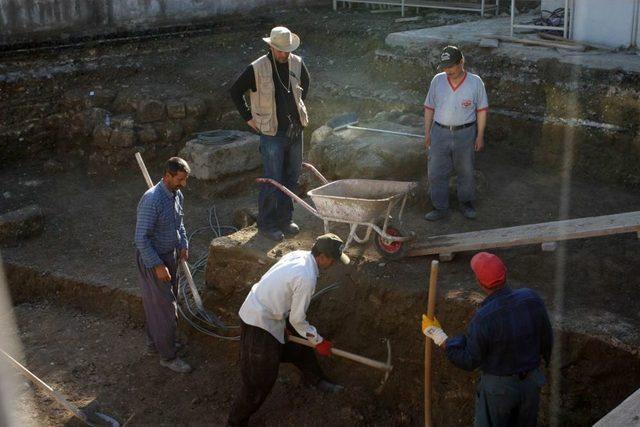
{"x":281,"y":161}
{"x":451,"y":151}
{"x":508,"y":401}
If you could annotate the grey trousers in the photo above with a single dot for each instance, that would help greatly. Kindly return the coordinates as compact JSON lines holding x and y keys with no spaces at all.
{"x":160,"y":305}
{"x":508,"y":401}
{"x":451,"y":151}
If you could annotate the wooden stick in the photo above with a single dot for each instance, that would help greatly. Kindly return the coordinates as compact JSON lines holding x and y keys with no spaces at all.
{"x":183,"y":264}
{"x":47,"y":389}
{"x":431,"y":308}
{"x":355,"y":357}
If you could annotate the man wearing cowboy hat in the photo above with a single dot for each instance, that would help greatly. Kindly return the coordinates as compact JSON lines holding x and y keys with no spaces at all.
{"x":276,"y":307}
{"x":506,"y":338}
{"x":277,"y":84}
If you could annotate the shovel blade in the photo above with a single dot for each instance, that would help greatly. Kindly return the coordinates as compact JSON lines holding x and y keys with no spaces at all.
{"x":342,"y":121}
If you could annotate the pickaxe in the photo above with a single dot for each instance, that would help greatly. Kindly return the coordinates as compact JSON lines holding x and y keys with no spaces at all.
{"x":386,"y":367}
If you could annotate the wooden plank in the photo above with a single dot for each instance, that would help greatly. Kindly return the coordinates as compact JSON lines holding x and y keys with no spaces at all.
{"x":542,"y":43}
{"x":531,"y":234}
{"x":625,"y":414}
{"x":411,"y":19}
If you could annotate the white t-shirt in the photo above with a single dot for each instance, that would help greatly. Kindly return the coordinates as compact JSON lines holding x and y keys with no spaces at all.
{"x":285,"y":290}
{"x":456,"y":105}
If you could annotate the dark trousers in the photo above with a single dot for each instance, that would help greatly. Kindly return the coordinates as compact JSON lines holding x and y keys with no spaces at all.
{"x":508,"y":401}
{"x":260,"y":358}
{"x":160,"y":305}
{"x":281,"y":161}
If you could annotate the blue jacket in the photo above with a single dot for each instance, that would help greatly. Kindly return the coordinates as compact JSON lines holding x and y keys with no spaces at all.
{"x":508,"y":335}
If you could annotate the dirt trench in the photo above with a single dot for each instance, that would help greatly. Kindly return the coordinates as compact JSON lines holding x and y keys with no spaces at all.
{"x":94,"y":339}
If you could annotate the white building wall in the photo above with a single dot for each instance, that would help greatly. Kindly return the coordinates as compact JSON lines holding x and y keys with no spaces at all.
{"x":606,"y":22}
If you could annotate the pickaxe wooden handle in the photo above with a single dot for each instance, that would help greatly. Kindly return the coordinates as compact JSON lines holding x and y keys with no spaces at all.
{"x":355,"y":357}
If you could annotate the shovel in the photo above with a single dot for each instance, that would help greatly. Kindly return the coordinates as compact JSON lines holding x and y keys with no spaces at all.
{"x":346,"y":121}
{"x":87,"y":415}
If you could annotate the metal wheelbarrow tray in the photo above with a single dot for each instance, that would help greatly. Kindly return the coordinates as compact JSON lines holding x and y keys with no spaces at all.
{"x":359,"y":202}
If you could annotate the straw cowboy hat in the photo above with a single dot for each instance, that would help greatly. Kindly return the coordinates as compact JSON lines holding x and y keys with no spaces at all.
{"x":283,"y":39}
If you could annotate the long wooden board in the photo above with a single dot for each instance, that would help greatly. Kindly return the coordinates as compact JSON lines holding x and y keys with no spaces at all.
{"x":625,"y":414}
{"x":527,"y":234}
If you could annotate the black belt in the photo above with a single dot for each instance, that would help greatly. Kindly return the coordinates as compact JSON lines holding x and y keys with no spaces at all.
{"x":452,"y":128}
{"x":520,"y":375}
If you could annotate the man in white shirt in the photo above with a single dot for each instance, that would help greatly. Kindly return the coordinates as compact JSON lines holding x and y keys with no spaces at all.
{"x":455,"y":116}
{"x":275,"y":307}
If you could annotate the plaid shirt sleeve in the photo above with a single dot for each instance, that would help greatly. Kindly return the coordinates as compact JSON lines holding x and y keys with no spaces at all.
{"x":146,"y":219}
{"x":184,"y":242}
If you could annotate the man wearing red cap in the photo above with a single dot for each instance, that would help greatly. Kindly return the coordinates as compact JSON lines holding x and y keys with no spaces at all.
{"x":506,"y":339}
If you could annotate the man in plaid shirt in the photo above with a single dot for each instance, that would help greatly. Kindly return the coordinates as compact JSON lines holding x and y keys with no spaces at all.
{"x":161,"y":240}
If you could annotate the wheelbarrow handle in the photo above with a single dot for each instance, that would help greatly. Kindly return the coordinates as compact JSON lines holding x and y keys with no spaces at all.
{"x":316,"y":172}
{"x":289,"y":193}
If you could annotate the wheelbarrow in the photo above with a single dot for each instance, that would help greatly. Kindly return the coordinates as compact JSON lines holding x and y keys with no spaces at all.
{"x":359,"y":202}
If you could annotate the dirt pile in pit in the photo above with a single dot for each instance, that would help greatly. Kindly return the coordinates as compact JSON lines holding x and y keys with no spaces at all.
{"x":376,"y":301}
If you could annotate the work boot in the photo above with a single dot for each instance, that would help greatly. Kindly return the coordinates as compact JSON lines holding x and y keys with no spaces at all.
{"x":176,"y":365}
{"x":468,"y":210}
{"x":275,"y":235}
{"x":329,"y":387}
{"x":436,"y":215}
{"x":290,"y":229}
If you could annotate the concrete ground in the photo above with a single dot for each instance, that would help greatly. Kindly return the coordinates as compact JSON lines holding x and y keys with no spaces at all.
{"x":473,"y":32}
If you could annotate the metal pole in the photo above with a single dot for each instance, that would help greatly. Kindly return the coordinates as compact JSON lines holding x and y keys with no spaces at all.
{"x":565,"y":32}
{"x":513,"y":6}
{"x":482,"y":9}
{"x":497,"y":7}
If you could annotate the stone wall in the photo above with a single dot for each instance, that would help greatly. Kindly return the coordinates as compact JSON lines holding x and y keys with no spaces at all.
{"x":106,"y":128}
{"x":69,"y":18}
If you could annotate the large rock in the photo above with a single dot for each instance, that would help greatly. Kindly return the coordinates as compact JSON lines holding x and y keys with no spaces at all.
{"x":231,"y":258}
{"x":21,"y":224}
{"x":222,"y":153}
{"x":351,"y":153}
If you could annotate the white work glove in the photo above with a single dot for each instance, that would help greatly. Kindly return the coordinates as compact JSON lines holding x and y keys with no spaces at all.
{"x":433,"y":330}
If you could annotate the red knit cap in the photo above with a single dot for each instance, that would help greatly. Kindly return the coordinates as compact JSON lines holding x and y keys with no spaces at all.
{"x":489,"y":269}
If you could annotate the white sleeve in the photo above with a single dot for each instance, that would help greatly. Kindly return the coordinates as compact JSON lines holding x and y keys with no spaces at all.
{"x":430,"y":100}
{"x":300,"y":300}
{"x":481,"y":96}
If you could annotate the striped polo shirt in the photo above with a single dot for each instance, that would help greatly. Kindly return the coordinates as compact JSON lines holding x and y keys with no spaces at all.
{"x":456,"y":105}
{"x":160,"y":227}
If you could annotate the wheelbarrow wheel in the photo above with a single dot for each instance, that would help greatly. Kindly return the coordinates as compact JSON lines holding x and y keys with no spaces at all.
{"x":390,"y":249}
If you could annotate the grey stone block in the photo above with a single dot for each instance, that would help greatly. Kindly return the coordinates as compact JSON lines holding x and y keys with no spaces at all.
{"x":222,"y":153}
